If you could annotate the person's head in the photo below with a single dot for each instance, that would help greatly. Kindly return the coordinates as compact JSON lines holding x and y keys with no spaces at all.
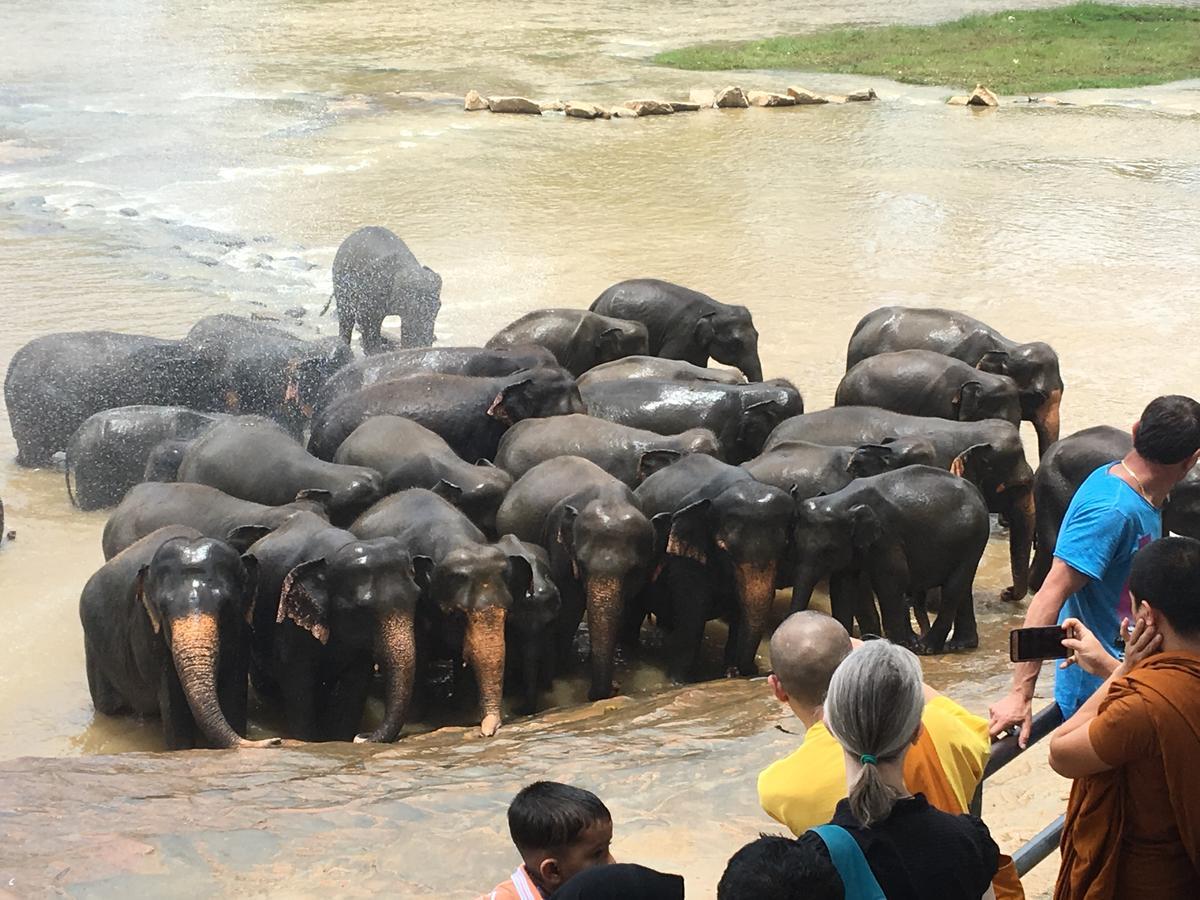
{"x":780,"y":868}
{"x":1168,"y":434}
{"x":1164,"y":582}
{"x":805,"y":650}
{"x":622,"y":881}
{"x":560,"y":831}
{"x":873,"y":709}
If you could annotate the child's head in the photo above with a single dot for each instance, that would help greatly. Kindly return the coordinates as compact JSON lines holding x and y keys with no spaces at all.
{"x":559,"y":831}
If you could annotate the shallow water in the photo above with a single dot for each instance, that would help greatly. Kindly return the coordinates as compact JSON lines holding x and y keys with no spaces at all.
{"x":160,"y":162}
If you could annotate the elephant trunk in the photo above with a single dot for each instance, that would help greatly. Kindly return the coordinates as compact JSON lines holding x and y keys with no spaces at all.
{"x":195,"y":648}
{"x":1046,"y":420}
{"x":395,"y":646}
{"x":484,"y":650}
{"x":604,"y":607}
{"x":1020,"y":539}
{"x":803,"y":586}
{"x":755,"y":594}
{"x":751,"y":368}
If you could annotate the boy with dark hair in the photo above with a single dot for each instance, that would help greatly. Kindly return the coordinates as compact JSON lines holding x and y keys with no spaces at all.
{"x":560,"y":831}
{"x":779,"y":868}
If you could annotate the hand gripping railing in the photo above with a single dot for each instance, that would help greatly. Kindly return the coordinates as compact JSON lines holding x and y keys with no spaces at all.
{"x":1005,"y":751}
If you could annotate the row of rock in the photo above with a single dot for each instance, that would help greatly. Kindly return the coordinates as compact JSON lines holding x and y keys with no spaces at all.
{"x":981,"y":96}
{"x":732,"y":97}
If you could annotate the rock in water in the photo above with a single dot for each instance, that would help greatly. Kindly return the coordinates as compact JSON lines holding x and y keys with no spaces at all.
{"x":622,"y":112}
{"x":552,"y":106}
{"x":862,"y":96}
{"x":960,"y":100}
{"x":475,"y":101}
{"x":767,"y":98}
{"x":584,"y":111}
{"x":805,"y":97}
{"x":686,"y":106}
{"x":649,"y":107}
{"x":981,"y":96}
{"x":520,"y":105}
{"x":732,"y":97}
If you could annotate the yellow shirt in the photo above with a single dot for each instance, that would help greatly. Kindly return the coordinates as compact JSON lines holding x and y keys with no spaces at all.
{"x":946,"y":764}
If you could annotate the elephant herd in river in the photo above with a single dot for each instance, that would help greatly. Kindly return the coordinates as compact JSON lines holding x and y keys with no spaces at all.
{"x":470,"y":507}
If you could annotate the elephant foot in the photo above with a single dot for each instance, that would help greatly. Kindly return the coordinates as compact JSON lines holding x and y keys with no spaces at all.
{"x":1010,"y":595}
{"x":969,"y":642}
{"x":490,"y":725}
{"x":256,"y":745}
{"x":594,"y":695}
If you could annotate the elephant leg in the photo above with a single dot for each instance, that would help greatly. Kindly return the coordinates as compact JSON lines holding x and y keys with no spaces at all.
{"x":958,"y":608}
{"x":370,"y":326}
{"x":567,"y":624}
{"x":691,"y":590}
{"x":889,"y":579}
{"x":532,"y":653}
{"x":105,"y":696}
{"x":842,"y":586}
{"x":179,"y":727}
{"x":632,"y":617}
{"x":340,"y":716}
{"x":232,"y":678}
{"x":345,"y":311}
{"x":1020,"y":541}
{"x":920,"y":607}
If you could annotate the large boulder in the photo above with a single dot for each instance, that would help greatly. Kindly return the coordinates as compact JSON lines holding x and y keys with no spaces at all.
{"x":732,"y":97}
{"x":650,"y":107}
{"x":767,"y":98}
{"x":514,"y":105}
{"x":981,"y":96}
{"x":862,"y":96}
{"x":552,"y":106}
{"x":584,"y":111}
{"x":804,"y":97}
{"x":475,"y":101}
{"x":686,"y":105}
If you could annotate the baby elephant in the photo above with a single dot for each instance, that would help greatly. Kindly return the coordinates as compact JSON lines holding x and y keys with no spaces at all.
{"x":578,"y":339}
{"x":656,"y":367}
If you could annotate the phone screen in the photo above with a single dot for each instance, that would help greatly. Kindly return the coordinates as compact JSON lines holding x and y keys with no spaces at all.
{"x":1025,"y":644}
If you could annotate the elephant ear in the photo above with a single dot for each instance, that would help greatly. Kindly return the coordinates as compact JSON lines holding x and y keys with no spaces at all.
{"x":608,"y":343}
{"x":966,"y":401}
{"x":689,"y":536}
{"x":870,"y":459}
{"x":757,"y":418}
{"x":316,"y":495}
{"x":304,"y":599}
{"x":244,"y":537}
{"x":507,"y":407}
{"x":139,"y":588}
{"x":865,"y":527}
{"x":971,"y":463}
{"x":704,"y":329}
{"x":655,"y":460}
{"x":994,"y":361}
{"x":520,"y":576}
{"x":448,"y":490}
{"x":249,"y":586}
{"x":484,"y":461}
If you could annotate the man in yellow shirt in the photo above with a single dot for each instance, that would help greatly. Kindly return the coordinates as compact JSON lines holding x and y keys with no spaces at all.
{"x":802,"y":790}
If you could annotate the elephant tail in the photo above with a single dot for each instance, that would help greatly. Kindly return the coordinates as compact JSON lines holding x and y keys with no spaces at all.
{"x":328,"y":303}
{"x":70,"y":493}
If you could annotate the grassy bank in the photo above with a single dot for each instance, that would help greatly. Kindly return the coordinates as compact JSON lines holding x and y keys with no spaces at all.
{"x":1085,"y":45}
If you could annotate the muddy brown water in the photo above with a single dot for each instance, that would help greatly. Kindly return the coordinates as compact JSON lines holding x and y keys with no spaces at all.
{"x":163,"y":162}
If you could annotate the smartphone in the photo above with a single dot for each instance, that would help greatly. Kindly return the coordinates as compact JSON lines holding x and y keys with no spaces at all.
{"x":1026,"y":644}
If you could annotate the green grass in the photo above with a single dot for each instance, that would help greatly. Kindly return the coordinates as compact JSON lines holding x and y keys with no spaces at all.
{"x":1085,"y":45}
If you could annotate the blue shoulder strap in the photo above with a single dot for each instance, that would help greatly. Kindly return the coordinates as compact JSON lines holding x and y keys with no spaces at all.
{"x":857,"y":878}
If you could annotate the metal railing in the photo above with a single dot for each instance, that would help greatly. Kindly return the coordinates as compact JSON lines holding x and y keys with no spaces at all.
{"x":1005,"y":751}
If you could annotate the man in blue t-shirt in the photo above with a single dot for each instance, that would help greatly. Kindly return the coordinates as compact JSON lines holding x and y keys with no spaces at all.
{"x":1115,"y":512}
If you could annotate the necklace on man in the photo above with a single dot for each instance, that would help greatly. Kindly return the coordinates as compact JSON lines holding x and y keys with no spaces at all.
{"x":1140,"y":487}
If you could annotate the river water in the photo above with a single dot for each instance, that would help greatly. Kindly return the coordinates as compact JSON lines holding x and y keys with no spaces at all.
{"x":160,"y":161}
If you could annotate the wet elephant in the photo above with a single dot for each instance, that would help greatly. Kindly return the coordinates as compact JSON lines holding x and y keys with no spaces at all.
{"x":987,"y":453}
{"x":579,"y":339}
{"x":659,"y":368}
{"x":628,"y":454}
{"x":411,"y":456}
{"x":108,"y":453}
{"x":530,"y":625}
{"x":1033,"y":366}
{"x":464,"y":581}
{"x":376,"y":275}
{"x":925,"y":383}
{"x":686,"y":324}
{"x":254,"y":459}
{"x":721,"y":535}
{"x":214,"y":514}
{"x":327,"y":605}
{"x":600,"y":545}
{"x":805,"y":470}
{"x":896,"y":535}
{"x":740,"y":415}
{"x":470,"y":414}
{"x":166,"y":631}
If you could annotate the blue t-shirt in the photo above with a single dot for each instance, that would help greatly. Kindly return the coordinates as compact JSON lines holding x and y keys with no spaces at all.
{"x":1106,"y":524}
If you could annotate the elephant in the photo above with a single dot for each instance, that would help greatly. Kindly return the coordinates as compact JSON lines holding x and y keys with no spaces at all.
{"x":987,"y":453}
{"x":600,"y":545}
{"x":721,"y":535}
{"x":477,"y":362}
{"x":1033,"y":366}
{"x":55,"y":382}
{"x":740,"y":415}
{"x":411,"y":456}
{"x":109,"y":452}
{"x":166,"y":631}
{"x":214,"y":514}
{"x":466,"y":593}
{"x":925,"y":383}
{"x":326,"y":607}
{"x":529,"y":626}
{"x":685,"y":324}
{"x":470,"y":414}
{"x":805,"y":470}
{"x":656,"y":367}
{"x":628,"y":454}
{"x":264,"y":370}
{"x":899,"y":534}
{"x":578,"y":339}
{"x":376,"y":275}
{"x":255,"y":459}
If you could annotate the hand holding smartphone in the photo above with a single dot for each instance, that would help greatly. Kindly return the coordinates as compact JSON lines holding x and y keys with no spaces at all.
{"x":1033,"y":644}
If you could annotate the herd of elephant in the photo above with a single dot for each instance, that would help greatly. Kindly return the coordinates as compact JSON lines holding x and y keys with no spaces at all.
{"x":472,"y":506}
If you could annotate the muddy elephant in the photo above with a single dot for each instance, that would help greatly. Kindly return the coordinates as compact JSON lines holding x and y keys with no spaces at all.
{"x":657,"y":367}
{"x":987,"y":453}
{"x":925,"y":383}
{"x":213,"y":513}
{"x":686,"y":324}
{"x":897,"y":535}
{"x":579,"y":339}
{"x":740,"y":415}
{"x":327,"y":605}
{"x":721,"y":535}
{"x":628,"y":454}
{"x":529,"y":628}
{"x":1033,"y":366}
{"x":254,"y":459}
{"x":376,"y":275}
{"x":267,"y":371}
{"x":55,"y":382}
{"x":465,"y":588}
{"x":470,"y":414}
{"x":478,"y":362}
{"x":805,"y":470}
{"x":166,"y":631}
{"x":109,"y":452}
{"x":411,"y":456}
{"x":600,"y":545}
